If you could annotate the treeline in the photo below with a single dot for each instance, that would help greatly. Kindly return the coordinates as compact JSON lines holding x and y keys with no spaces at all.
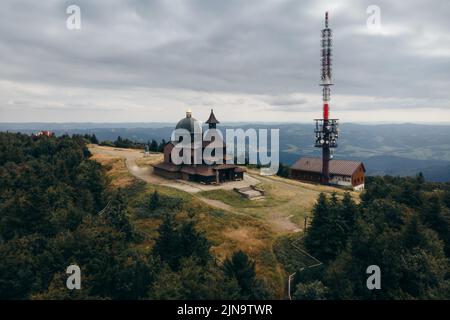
{"x":56,"y":210}
{"x":120,"y":142}
{"x":401,"y":225}
{"x":50,"y":196}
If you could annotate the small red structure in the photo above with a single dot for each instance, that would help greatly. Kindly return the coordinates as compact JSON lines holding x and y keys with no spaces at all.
{"x":44,"y":133}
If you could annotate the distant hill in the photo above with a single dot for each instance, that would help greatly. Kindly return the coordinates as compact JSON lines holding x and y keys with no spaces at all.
{"x":433,"y":170}
{"x":394,"y":149}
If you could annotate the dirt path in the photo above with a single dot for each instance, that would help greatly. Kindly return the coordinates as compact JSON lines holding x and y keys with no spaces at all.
{"x":146,"y":173}
{"x":296,"y":199}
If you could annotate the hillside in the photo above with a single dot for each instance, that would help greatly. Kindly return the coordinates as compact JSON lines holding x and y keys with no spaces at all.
{"x":138,"y":236}
{"x":62,"y":204}
{"x":229,"y":221}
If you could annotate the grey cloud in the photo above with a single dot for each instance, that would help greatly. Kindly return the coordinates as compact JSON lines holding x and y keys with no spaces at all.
{"x":232,"y":47}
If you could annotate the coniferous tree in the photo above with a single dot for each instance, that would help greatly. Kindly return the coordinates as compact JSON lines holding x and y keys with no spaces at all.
{"x":376,"y":189}
{"x":349,"y":211}
{"x":118,"y":215}
{"x":194,"y":280}
{"x":283,"y":170}
{"x":176,"y":242}
{"x":409,"y":195}
{"x":446,"y":198}
{"x":161,"y":146}
{"x":328,"y":232}
{"x":166,"y":245}
{"x":194,"y":243}
{"x":154,"y":200}
{"x":241,"y":268}
{"x":420,"y":178}
{"x":94,"y":139}
{"x":314,"y":290}
{"x":313,"y":239}
{"x":412,"y":236}
{"x":437,"y":217}
{"x":153,"y":146}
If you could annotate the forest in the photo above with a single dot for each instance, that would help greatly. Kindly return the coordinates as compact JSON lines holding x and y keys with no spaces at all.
{"x":53,"y":202}
{"x":401,"y":225}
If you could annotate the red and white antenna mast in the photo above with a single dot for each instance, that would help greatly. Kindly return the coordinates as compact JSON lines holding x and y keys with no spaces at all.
{"x":327,"y":38}
{"x":326,"y":128}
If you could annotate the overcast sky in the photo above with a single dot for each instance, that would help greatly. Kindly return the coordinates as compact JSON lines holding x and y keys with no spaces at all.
{"x":258,"y":60}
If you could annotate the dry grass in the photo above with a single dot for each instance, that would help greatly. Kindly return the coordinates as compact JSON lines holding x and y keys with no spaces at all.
{"x":148,"y":229}
{"x":245,"y":239}
{"x":285,"y":206}
{"x":153,"y":158}
{"x":230,"y":232}
{"x":116,"y":170}
{"x":227,"y":232}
